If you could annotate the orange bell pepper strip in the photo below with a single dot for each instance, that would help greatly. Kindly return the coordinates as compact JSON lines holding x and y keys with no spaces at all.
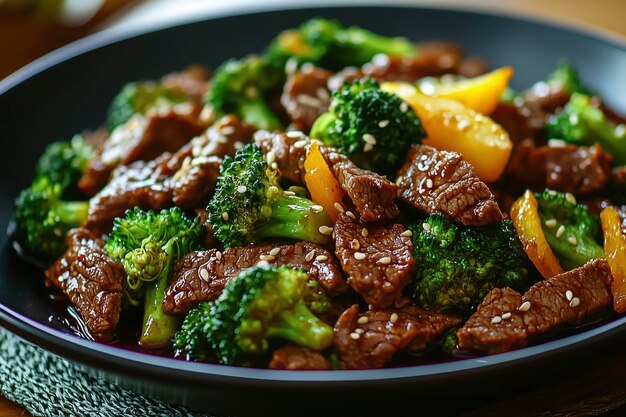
{"x":525,"y":218}
{"x":615,"y":251}
{"x":321,"y":183}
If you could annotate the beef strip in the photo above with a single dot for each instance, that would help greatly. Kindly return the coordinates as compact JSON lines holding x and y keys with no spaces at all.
{"x":377,"y":259}
{"x":298,"y":358}
{"x":288,"y":156}
{"x":92,"y":281}
{"x":372,"y":195}
{"x":190,"y":285}
{"x":193,"y":81}
{"x":369,"y":340}
{"x":433,"y":180}
{"x":566,"y":168}
{"x":506,"y":320}
{"x":306,"y":96}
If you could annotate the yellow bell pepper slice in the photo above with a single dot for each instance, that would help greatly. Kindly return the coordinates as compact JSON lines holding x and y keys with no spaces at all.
{"x":321,"y":183}
{"x":615,"y":251}
{"x":452,"y":126}
{"x":525,"y":218}
{"x":481,"y":93}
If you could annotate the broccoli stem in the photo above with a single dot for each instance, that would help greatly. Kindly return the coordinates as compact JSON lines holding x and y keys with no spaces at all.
{"x":369,"y":43}
{"x":301,"y":326}
{"x":72,"y":212}
{"x":321,"y":126}
{"x":257,"y":113}
{"x":586,"y":249}
{"x":607,"y":134}
{"x":292,"y":217}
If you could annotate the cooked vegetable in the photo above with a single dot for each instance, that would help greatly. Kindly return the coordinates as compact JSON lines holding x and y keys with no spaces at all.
{"x":240,"y":87}
{"x":615,"y":251}
{"x":328,"y":44}
{"x":481,"y":93}
{"x":566,"y":78}
{"x":375,"y":128}
{"x":570,"y":228}
{"x":148,"y":245}
{"x":456,"y":266}
{"x":138,"y":98}
{"x":321,"y":183}
{"x":450,"y":343}
{"x":454,"y":127}
{"x":525,"y":218}
{"x":581,"y":123}
{"x":65,"y":162}
{"x":249,"y":205}
{"x":43,"y":218}
{"x":261,"y":303}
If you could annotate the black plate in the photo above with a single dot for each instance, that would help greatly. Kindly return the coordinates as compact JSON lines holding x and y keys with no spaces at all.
{"x":69,"y":90}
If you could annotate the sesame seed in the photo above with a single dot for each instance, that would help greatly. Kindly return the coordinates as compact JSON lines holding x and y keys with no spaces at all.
{"x":267,"y":258}
{"x":338,"y":207}
{"x":238,"y":145}
{"x":300,"y":144}
{"x":363,"y":320}
{"x":404,"y":107}
{"x":572,"y":240}
{"x":294,"y":134}
{"x":368,"y":147}
{"x":322,"y":94}
{"x":369,"y":138}
{"x":560,"y":231}
{"x":506,"y":316}
{"x":359,"y":331}
{"x":496,"y":320}
{"x":309,"y":256}
{"x":355,"y":336}
{"x":383,"y":123}
{"x":525,"y":306}
{"x":271,"y":157}
{"x":570,"y":197}
{"x":289,"y":193}
{"x":291,"y":65}
{"x":385,"y":260}
{"x":359,"y":255}
{"x":225,"y":216}
{"x":393,"y":318}
{"x":406,"y":233}
{"x":550,"y":223}
{"x":275,"y":251}
{"x":274,"y":165}
{"x":316,"y":208}
{"x":321,"y":258}
{"x":569,"y":295}
{"x":426,"y":226}
{"x":429,"y":183}
{"x":204,"y":274}
{"x":351,"y":215}
{"x":308,"y":100}
{"x":325,"y":230}
{"x":242,"y":189}
{"x":365,"y":232}
{"x":227,"y":130}
{"x":575,"y":302}
{"x":218,"y":255}
{"x":355,"y":244}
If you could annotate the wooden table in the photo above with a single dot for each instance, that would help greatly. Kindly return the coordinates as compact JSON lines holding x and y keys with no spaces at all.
{"x":596,"y":389}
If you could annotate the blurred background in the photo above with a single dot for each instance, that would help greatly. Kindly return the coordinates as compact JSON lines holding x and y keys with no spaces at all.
{"x":31,"y":28}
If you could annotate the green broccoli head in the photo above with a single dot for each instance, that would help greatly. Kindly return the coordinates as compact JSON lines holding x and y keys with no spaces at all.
{"x":248,"y":204}
{"x":571,"y":230}
{"x":329,"y":44}
{"x":240,"y":87}
{"x":261,"y":303}
{"x":450,"y":342}
{"x":148,"y":244}
{"x":374,"y":127}
{"x":43,"y":218}
{"x":138,"y":98}
{"x":566,"y":78}
{"x":65,"y":162}
{"x":456,"y":266}
{"x":581,"y":123}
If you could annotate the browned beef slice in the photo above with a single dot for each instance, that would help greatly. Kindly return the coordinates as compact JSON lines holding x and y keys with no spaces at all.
{"x":433,"y":180}
{"x":370,"y":340}
{"x":372,"y":195}
{"x":282,"y":149}
{"x":92,"y":281}
{"x":377,"y":259}
{"x":520,"y":121}
{"x":294,"y":357}
{"x":566,"y":168}
{"x":505,"y":320}
{"x":194,"y":182}
{"x":142,"y":138}
{"x":306,"y":96}
{"x":190,"y":285}
{"x":193,"y":81}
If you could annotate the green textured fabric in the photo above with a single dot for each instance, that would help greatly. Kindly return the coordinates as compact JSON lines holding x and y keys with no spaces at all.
{"x":49,"y":386}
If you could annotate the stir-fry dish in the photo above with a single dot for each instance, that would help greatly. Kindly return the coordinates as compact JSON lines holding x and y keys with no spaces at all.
{"x":343,"y":200}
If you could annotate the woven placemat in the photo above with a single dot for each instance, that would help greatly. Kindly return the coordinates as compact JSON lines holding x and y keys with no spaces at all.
{"x":49,"y":386}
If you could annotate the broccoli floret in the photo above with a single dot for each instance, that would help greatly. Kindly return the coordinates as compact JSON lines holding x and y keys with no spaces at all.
{"x":249,"y":205}
{"x":456,"y":266}
{"x":582,"y":123}
{"x":43,"y":218}
{"x":374,"y":127}
{"x":566,"y":78}
{"x":148,"y":245}
{"x":450,"y":342}
{"x":261,"y":303}
{"x":65,"y":162}
{"x":240,"y":87}
{"x":572,"y":231}
{"x":139,"y":97}
{"x":329,"y":44}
